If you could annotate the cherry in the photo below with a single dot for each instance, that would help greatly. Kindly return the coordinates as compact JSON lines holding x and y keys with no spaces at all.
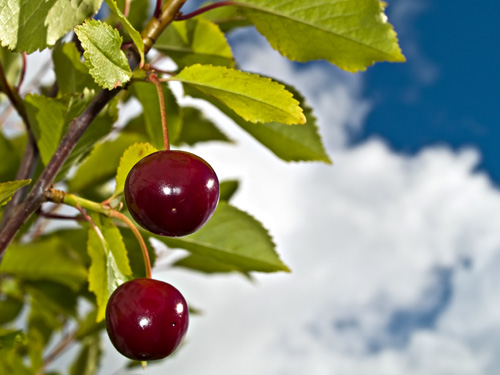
{"x":146,"y":319}
{"x":172,"y":193}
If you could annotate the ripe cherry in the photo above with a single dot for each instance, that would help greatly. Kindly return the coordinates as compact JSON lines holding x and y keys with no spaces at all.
{"x":172,"y":193}
{"x":146,"y":319}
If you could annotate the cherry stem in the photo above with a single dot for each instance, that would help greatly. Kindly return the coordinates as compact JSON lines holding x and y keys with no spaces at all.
{"x":137,"y":234}
{"x":81,"y":204}
{"x":153,"y":78}
{"x":182,"y":17}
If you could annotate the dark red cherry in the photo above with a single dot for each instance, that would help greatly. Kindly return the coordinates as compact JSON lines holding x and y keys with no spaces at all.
{"x":172,"y":193}
{"x":146,"y":319}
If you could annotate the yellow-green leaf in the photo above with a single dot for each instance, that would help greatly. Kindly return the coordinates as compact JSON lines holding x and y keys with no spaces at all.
{"x":134,"y":34}
{"x":235,"y":238}
{"x":130,"y":157}
{"x":106,"y":61}
{"x":109,"y":261}
{"x":8,"y":189}
{"x":195,"y":41}
{"x":254,"y":98}
{"x":352,"y":34}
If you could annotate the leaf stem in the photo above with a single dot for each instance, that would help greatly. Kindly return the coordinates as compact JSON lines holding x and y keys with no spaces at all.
{"x":157,"y":12}
{"x":182,"y":17}
{"x":138,"y":236}
{"x":153,"y":78}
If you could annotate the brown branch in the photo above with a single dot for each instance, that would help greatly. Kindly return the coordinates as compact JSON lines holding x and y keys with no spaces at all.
{"x":78,"y":126}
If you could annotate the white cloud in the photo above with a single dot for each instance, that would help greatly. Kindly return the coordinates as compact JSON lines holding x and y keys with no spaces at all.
{"x":394,"y":257}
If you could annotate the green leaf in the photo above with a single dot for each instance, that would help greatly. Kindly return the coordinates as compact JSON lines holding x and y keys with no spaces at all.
{"x":197,"y":128}
{"x":8,"y":189}
{"x":227,"y":189}
{"x":228,"y":18}
{"x":352,"y":34}
{"x":110,"y":265}
{"x":106,"y":61}
{"x":205,"y":265}
{"x":72,"y":74}
{"x":255,"y":98}
{"x":9,"y":309}
{"x":195,"y":41}
{"x":87,"y":361}
{"x":130,"y":158}
{"x":147,"y":95}
{"x":89,"y":325}
{"x":7,"y":341}
{"x":28,"y":25}
{"x":232,"y":237}
{"x":11,"y":64}
{"x":54,"y":261}
{"x":50,"y":118}
{"x":134,"y":252}
{"x":290,"y":143}
{"x":9,"y":157}
{"x":100,"y":127}
{"x":134,"y":34}
{"x":94,"y":170}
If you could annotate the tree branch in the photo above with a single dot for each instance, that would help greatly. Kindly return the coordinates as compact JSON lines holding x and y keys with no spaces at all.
{"x":78,"y":126}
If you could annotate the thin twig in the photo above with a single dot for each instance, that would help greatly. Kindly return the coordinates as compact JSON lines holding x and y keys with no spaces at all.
{"x":182,"y":17}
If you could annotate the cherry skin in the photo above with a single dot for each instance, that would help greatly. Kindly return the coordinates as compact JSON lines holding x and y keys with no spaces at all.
{"x":146,"y":319}
{"x":172,"y":193}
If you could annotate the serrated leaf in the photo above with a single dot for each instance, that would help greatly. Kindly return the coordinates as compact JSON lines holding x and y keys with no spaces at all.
{"x":130,"y":157}
{"x":72,"y":74}
{"x":11,"y":64}
{"x":50,"y":118}
{"x":54,"y":261}
{"x":106,"y":61}
{"x":100,"y":128}
{"x":9,"y":188}
{"x":28,"y":25}
{"x":147,"y":95}
{"x":254,"y":98}
{"x":93,"y":171}
{"x":110,"y":265}
{"x":205,"y":265}
{"x":227,"y":189}
{"x":9,"y":157}
{"x":195,"y":41}
{"x":228,"y":18}
{"x":134,"y":34}
{"x":290,"y":143}
{"x":197,"y":128}
{"x":352,"y":34}
{"x":232,"y":237}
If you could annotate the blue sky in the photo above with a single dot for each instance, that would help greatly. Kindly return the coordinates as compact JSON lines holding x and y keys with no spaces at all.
{"x":395,"y":249}
{"x":448,"y":90}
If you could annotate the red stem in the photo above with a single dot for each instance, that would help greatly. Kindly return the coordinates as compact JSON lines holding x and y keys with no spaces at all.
{"x":182,"y":17}
{"x":23,"y":73}
{"x":153,"y":78}
{"x":158,"y":9}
